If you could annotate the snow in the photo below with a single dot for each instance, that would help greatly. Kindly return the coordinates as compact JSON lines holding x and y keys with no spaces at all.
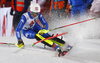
{"x":84,"y":37}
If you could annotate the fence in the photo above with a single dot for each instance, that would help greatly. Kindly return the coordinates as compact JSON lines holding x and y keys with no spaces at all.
{"x":6,"y":28}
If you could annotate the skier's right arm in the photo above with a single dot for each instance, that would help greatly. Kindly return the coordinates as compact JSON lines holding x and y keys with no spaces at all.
{"x":18,"y":33}
{"x":20,"y":26}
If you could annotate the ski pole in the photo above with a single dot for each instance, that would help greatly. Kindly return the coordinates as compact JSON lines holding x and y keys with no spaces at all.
{"x":71,"y":24}
{"x":62,"y":33}
{"x":7,"y":43}
{"x":49,"y":38}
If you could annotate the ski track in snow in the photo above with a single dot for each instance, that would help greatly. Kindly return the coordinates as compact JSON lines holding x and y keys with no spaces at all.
{"x":85,"y":38}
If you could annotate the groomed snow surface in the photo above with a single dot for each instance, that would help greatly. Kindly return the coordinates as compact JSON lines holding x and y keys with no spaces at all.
{"x":84,"y":37}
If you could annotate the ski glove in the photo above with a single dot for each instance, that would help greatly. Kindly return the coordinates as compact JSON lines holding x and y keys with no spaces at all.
{"x":20,"y":43}
{"x":41,"y":32}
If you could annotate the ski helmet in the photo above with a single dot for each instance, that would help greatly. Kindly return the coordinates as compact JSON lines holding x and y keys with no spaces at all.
{"x":34,"y":7}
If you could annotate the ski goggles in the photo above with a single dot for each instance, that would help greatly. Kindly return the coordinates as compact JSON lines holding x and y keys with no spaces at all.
{"x":34,"y":13}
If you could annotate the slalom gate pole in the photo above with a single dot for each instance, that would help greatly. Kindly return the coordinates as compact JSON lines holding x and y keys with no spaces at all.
{"x":72,"y":24}
{"x":61,"y":33}
{"x":49,"y":38}
{"x":7,"y":43}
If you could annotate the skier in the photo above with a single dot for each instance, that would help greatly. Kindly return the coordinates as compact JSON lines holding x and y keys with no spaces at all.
{"x":79,"y":8}
{"x":31,"y":29}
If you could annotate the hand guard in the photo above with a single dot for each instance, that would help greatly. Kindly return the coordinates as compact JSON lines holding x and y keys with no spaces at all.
{"x":41,"y":32}
{"x":20,"y":43}
{"x":70,"y":6}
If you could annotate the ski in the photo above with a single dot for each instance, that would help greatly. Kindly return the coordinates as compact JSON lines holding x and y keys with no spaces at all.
{"x":63,"y":53}
{"x":7,"y":43}
{"x":72,"y":24}
{"x":49,"y":38}
{"x":15,"y":44}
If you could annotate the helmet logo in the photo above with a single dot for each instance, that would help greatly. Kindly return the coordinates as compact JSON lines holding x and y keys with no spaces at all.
{"x":36,"y":8}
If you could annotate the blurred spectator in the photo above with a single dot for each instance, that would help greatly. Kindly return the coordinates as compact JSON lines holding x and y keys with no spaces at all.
{"x":8,"y":3}
{"x":3,"y":3}
{"x":96,"y":8}
{"x":66,"y":6}
{"x":79,"y":8}
{"x":57,"y":8}
{"x":20,"y":7}
{"x":0,"y":3}
{"x":40,"y":2}
{"x":67,"y":9}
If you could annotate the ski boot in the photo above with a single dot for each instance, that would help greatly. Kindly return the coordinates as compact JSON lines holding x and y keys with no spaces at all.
{"x":57,"y":48}
{"x":20,"y":43}
{"x":68,"y":49}
{"x":59,"y":52}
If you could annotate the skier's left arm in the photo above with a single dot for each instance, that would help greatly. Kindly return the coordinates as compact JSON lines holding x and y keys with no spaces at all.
{"x":43,"y":21}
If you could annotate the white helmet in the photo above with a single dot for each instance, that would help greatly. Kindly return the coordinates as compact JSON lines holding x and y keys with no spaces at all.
{"x":34,"y":7}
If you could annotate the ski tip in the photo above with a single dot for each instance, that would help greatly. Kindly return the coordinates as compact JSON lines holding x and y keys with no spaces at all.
{"x":67,"y":31}
{"x":19,"y":46}
{"x":32,"y":45}
{"x":93,"y":18}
